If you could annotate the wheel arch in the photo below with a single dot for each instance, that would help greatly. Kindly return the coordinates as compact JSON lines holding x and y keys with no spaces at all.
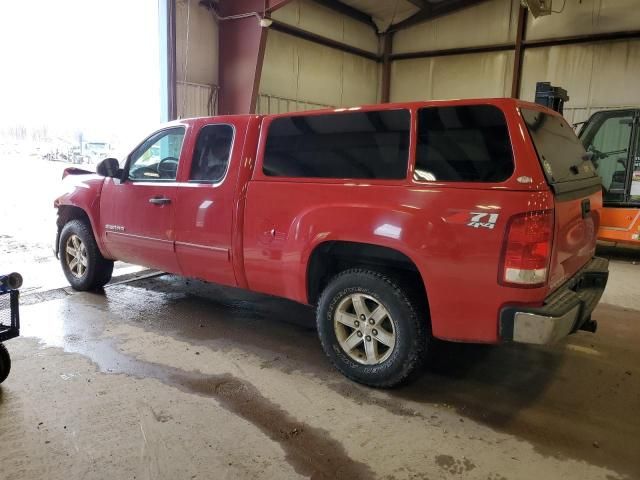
{"x":329,"y":258}
{"x":66,"y":213}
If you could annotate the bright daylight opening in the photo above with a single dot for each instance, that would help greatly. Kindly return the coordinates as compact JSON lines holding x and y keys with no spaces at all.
{"x":80,"y":82}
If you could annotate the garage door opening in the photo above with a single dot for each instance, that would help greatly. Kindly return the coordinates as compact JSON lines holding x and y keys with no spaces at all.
{"x":79,"y":84}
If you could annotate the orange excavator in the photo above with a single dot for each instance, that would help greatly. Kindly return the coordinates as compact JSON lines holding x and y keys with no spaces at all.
{"x":613,"y":139}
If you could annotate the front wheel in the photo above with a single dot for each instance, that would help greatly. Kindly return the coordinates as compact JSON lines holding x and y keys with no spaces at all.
{"x":372,"y":329}
{"x":5,"y":363}
{"x":81,"y":260}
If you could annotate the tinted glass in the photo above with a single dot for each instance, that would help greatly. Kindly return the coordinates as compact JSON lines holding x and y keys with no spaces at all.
{"x":561,"y":153}
{"x":607,"y":137}
{"x":211,"y":155}
{"x":342,"y":145}
{"x":463,"y":144}
{"x":157,"y":158}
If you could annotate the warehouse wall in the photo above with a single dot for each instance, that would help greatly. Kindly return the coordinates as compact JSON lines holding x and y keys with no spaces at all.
{"x":312,"y":17}
{"x":582,"y":17}
{"x":196,"y":59}
{"x":298,"y":74}
{"x":488,"y":23}
{"x":597,"y":76}
{"x":457,"y":76}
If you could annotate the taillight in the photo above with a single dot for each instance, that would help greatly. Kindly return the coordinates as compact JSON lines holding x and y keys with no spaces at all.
{"x":527,"y":249}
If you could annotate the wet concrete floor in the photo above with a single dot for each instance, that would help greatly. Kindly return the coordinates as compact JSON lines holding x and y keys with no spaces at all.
{"x":170,"y":378}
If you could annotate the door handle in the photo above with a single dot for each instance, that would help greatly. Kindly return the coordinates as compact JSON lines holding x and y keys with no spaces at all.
{"x":159,"y":200}
{"x":586,"y":207}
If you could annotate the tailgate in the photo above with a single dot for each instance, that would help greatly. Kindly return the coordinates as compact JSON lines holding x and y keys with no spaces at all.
{"x":576,"y":227}
{"x":577,"y":192}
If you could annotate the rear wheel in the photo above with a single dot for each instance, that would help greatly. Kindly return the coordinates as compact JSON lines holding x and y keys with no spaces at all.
{"x":5,"y":363}
{"x":81,"y":260}
{"x":374,"y":331}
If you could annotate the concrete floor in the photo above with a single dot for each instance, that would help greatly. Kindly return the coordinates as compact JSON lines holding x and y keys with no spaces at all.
{"x":164,"y":378}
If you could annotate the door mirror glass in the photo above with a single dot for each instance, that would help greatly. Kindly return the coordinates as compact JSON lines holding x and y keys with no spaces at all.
{"x":109,"y":167}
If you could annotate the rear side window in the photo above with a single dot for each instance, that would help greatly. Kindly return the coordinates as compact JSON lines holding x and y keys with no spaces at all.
{"x":368,"y":145}
{"x":561,"y":153}
{"x":211,"y":155}
{"x":463,"y":144}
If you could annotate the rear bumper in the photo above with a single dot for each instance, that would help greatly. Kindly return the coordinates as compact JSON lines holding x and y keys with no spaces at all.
{"x":564,"y":311}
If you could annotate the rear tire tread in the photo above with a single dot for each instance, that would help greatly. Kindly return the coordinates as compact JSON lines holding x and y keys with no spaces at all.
{"x":412,"y":299}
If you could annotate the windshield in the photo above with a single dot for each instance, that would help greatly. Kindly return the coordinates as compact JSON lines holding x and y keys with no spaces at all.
{"x":561,"y":153}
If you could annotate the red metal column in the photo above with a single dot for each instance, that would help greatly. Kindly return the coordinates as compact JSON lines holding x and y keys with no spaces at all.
{"x":242,"y":46}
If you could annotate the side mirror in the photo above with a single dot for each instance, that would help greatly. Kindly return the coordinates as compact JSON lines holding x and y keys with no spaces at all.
{"x":109,"y":167}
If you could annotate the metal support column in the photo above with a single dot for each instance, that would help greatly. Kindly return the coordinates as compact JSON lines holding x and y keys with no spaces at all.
{"x":387,"y":48}
{"x":167,"y":38}
{"x":519,"y":52}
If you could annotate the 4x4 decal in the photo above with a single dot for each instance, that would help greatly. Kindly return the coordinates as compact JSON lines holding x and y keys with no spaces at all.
{"x":483,"y":220}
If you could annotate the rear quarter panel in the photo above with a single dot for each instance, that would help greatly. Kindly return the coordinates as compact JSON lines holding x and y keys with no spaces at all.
{"x":459,"y":264}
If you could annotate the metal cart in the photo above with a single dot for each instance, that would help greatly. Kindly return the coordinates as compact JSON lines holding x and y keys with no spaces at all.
{"x":9,"y":318}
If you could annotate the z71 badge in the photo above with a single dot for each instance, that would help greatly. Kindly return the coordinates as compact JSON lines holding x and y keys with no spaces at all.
{"x":483,"y":220}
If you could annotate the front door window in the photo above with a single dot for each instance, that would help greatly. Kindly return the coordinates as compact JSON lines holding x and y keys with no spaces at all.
{"x":157,"y":158}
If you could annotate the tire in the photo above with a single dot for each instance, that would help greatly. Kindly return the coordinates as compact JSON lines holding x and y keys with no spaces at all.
{"x":382,"y":360}
{"x":5,"y":363}
{"x":93,"y":271}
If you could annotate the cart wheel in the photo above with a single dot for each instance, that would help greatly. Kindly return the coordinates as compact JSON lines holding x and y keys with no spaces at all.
{"x":5,"y":363}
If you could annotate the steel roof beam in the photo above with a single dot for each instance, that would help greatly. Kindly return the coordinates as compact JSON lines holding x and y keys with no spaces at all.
{"x":347,"y":10}
{"x":421,"y":4}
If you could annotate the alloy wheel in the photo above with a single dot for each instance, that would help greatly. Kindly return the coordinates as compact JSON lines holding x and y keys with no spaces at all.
{"x":76,"y":256}
{"x":364,"y":329}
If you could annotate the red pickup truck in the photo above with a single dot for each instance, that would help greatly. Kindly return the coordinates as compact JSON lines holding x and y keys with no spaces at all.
{"x":466,"y":220}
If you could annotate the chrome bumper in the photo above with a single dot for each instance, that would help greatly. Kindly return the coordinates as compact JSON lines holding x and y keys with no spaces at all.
{"x":565,"y":311}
